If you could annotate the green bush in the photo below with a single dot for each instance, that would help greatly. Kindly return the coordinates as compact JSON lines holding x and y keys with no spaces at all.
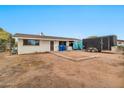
{"x":120,"y":48}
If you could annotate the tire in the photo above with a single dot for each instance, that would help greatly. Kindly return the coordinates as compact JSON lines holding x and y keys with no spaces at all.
{"x":99,"y":50}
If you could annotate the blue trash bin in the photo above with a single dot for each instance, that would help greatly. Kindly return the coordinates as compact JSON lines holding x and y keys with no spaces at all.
{"x":62,"y":47}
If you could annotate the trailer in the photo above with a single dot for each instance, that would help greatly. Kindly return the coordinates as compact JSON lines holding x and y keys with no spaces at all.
{"x":100,"y":43}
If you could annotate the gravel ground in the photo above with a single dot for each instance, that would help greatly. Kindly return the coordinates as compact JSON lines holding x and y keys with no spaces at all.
{"x":50,"y":71}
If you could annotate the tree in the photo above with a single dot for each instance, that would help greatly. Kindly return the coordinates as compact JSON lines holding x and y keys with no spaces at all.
{"x":6,"y":40}
{"x":92,"y":37}
{"x":4,"y":35}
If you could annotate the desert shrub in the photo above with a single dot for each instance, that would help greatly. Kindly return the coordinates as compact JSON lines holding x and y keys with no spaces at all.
{"x":120,"y":48}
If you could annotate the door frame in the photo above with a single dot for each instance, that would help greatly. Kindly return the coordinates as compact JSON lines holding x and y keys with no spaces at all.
{"x":51,"y":45}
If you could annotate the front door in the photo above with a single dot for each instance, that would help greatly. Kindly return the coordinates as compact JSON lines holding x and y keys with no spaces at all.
{"x":51,"y":45}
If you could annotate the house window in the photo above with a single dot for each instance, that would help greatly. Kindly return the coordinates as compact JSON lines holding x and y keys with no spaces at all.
{"x":31,"y":42}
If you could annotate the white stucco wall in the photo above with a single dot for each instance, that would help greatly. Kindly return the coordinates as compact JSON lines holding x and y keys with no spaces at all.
{"x":67,"y":43}
{"x":44,"y":46}
{"x":120,"y":43}
{"x":56,"y":44}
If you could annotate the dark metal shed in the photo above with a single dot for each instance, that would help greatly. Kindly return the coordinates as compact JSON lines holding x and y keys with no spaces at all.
{"x":100,"y":43}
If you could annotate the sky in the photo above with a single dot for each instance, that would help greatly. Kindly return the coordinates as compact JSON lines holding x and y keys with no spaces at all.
{"x":66,"y":21}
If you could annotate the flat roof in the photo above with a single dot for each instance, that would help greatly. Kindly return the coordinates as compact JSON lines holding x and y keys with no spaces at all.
{"x":101,"y":36}
{"x":42,"y":36}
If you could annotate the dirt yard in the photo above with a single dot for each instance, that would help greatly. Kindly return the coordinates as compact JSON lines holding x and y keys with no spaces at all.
{"x":49,"y":70}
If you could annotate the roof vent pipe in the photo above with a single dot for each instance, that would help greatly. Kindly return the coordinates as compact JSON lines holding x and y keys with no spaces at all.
{"x":41,"y":34}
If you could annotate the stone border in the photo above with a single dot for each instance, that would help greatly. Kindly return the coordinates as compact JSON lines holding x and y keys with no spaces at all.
{"x":73,"y":59}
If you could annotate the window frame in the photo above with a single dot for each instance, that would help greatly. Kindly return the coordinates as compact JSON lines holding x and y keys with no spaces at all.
{"x":27,"y":42}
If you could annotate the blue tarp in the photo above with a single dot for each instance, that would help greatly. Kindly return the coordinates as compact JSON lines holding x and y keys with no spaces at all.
{"x":78,"y":45}
{"x":75,"y":45}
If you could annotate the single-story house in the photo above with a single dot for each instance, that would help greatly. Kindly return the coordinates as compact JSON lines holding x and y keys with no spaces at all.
{"x":120,"y":42}
{"x":28,"y":43}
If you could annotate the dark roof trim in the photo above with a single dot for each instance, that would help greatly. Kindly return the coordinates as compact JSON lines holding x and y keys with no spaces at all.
{"x":39,"y":36}
{"x":101,"y":36}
